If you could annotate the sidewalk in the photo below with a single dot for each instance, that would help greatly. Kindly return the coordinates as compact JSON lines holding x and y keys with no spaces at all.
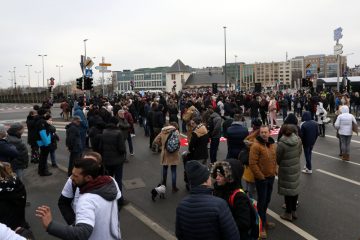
{"x":46,"y":191}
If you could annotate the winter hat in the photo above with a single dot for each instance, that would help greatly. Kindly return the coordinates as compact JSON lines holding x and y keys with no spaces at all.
{"x":196,"y":173}
{"x":223,"y":168}
{"x":15,"y":128}
{"x":2,"y":131}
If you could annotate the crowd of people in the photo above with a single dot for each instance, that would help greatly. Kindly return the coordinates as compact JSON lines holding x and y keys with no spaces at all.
{"x":221,"y":192}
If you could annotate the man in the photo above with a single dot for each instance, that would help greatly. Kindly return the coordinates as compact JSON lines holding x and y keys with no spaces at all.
{"x":43,"y":141}
{"x":96,"y":210}
{"x":7,"y":150}
{"x":262,"y":162}
{"x":73,"y":141}
{"x":309,"y":133}
{"x":214,"y":127}
{"x":201,"y":215}
{"x":236,"y":134}
{"x":79,"y":111}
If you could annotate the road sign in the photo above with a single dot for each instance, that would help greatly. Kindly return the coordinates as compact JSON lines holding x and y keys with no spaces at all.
{"x":338,"y":47}
{"x":338,"y":34}
{"x":89,"y":63}
{"x":100,"y":68}
{"x":105,"y":71}
{"x":88,"y":73}
{"x":105,"y":64}
{"x":308,"y":72}
{"x":338,"y":52}
{"x":308,"y":65}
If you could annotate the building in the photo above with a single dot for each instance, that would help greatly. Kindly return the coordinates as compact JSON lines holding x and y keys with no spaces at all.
{"x":297,"y":71}
{"x":158,"y":78}
{"x":325,"y":66}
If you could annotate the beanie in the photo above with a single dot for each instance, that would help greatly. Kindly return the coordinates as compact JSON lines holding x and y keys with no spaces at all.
{"x":196,"y":173}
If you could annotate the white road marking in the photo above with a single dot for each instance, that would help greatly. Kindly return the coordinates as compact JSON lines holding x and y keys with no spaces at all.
{"x":336,"y":158}
{"x":150,"y":223}
{"x":338,"y":177}
{"x":292,"y":226}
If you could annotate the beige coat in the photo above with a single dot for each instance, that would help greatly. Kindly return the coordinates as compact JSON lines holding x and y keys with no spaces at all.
{"x":167,"y":158}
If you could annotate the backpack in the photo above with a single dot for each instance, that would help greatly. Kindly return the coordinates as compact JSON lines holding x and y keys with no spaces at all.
{"x":172,"y":143}
{"x":244,"y":156}
{"x":256,"y":224}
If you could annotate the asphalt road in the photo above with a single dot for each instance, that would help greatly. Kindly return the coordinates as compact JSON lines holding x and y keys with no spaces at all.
{"x":329,"y":198}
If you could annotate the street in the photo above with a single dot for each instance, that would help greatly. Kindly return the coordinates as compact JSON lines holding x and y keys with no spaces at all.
{"x":329,"y":198}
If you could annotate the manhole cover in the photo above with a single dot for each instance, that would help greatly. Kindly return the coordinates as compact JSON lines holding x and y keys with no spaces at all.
{"x":133,"y":183}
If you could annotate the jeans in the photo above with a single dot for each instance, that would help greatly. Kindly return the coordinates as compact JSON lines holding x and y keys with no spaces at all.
{"x":73,"y":157}
{"x":284,"y":113}
{"x":173,"y":174}
{"x":52,"y":157}
{"x":249,"y":187}
{"x":183,"y":126}
{"x":43,"y":167}
{"x":345,"y":144}
{"x":290,"y":202}
{"x":264,"y":190}
{"x":307,"y":153}
{"x":116,"y":171}
{"x":146,"y":127}
{"x":20,"y":174}
{"x":130,"y":143}
{"x":214,"y":145}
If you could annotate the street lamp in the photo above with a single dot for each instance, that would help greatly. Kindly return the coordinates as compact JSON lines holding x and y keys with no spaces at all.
{"x":225,"y":57}
{"x":83,"y":82}
{"x":59,"y":66}
{"x":22,"y":80}
{"x":38,"y":73}
{"x":28,"y":66}
{"x":43,"y":71}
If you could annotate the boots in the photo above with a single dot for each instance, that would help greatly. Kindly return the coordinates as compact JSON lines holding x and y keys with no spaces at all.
{"x":287,"y":216}
{"x":294,"y":215}
{"x":345,"y":157}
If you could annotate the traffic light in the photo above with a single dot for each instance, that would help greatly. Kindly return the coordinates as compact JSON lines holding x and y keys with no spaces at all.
{"x":79,"y":83}
{"x":88,"y":83}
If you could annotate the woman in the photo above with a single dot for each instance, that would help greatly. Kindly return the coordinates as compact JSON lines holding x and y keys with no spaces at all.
{"x":12,"y":198}
{"x":166,"y":158}
{"x":292,"y":120}
{"x":173,"y":112}
{"x":288,"y":154}
{"x":272,"y":111}
{"x":31,"y":120}
{"x":343,"y":124}
{"x":321,"y":114}
{"x":228,"y":175}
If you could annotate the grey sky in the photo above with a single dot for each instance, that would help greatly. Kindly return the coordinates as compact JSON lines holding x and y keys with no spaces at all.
{"x":149,"y":33}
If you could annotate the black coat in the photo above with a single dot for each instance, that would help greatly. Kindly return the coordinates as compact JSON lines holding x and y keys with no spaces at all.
{"x":31,"y":122}
{"x":111,"y":146}
{"x":236,"y":134}
{"x":22,"y":160}
{"x":12,"y":203}
{"x":198,"y":144}
{"x":7,"y":151}
{"x":158,"y":119}
{"x":73,"y":140}
{"x":201,"y":215}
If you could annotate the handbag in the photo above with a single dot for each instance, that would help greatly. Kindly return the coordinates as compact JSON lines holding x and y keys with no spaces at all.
{"x":355,"y":128}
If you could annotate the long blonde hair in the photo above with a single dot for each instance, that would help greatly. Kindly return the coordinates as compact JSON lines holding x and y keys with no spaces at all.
{"x":6,"y":171}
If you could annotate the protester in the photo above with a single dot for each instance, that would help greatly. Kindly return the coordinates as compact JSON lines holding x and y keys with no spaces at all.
{"x":96,"y":206}
{"x":31,"y":120}
{"x":236,"y":134}
{"x":73,"y":141}
{"x":167,"y":158}
{"x":214,"y":127}
{"x":321,"y":115}
{"x":7,"y":151}
{"x":262,"y":161}
{"x":288,"y":154}
{"x":344,"y":124}
{"x":79,"y":111}
{"x":200,"y":215}
{"x":43,"y":141}
{"x":309,"y":134}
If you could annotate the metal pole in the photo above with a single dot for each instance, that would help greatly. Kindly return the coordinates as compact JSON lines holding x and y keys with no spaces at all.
{"x":225,"y":58}
{"x":15,"y":78}
{"x":28,"y":72}
{"x":83,"y":82}
{"x":338,"y":69}
{"x":236,"y":72}
{"x":43,"y":70}
{"x":103,"y":79}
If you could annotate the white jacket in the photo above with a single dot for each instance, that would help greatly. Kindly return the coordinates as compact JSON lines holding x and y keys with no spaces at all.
{"x":344,"y":121}
{"x":8,"y":234}
{"x":321,"y":113}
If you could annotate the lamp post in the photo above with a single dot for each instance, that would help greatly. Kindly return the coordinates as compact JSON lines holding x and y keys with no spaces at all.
{"x":225,"y":57}
{"x":22,"y":80}
{"x":28,"y":66}
{"x":236,"y":72}
{"x":43,"y":71}
{"x":59,"y":66}
{"x":85,"y":40}
{"x":38,"y":73}
{"x":14,"y":77}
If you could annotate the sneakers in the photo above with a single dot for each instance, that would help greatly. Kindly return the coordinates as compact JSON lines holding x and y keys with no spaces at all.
{"x":306,"y":170}
{"x":263,"y":235}
{"x":132,"y":153}
{"x":270,"y":225}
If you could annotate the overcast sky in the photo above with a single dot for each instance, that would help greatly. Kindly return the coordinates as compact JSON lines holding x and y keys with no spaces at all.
{"x":149,"y":33}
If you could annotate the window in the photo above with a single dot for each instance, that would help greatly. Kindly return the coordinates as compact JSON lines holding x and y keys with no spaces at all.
{"x":173,"y":76}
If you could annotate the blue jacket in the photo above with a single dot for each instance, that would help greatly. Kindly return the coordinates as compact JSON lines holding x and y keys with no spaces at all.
{"x":84,"y":123}
{"x":7,"y":151}
{"x":309,"y":130}
{"x":201,"y":215}
{"x":236,"y":134}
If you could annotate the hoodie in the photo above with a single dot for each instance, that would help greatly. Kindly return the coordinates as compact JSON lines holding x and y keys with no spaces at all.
{"x":345,"y":121}
{"x":321,"y":113}
{"x":309,"y":130}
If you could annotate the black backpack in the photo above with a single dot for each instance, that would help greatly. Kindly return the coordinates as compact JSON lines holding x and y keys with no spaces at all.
{"x":244,"y":156}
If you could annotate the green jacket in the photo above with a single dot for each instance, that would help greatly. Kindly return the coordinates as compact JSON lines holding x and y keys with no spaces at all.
{"x":288,"y":158}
